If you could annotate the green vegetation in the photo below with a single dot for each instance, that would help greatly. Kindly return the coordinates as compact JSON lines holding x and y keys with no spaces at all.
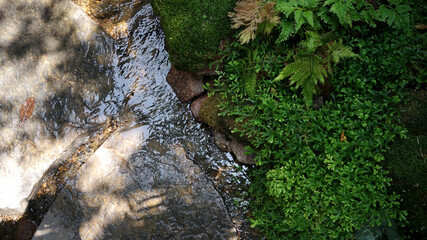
{"x":320,"y":172}
{"x":318,"y":87}
{"x":313,"y":62}
{"x":311,"y":182}
{"x":406,"y":162}
{"x":193,"y":29}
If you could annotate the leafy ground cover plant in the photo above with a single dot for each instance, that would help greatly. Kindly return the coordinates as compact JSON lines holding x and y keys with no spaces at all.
{"x":306,"y":19}
{"x":319,"y":172}
{"x":313,"y":62}
{"x":311,"y":182}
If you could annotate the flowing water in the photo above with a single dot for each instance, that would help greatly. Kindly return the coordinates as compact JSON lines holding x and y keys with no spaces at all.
{"x":159,"y":176}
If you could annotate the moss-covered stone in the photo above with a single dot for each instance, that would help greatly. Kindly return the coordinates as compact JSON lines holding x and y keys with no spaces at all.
{"x":209,"y":114}
{"x":406,"y":162}
{"x":414,"y":117}
{"x":193,"y":30}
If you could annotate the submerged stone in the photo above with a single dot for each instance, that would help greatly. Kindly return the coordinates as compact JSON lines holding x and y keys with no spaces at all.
{"x":165,"y":197}
{"x":143,"y":183}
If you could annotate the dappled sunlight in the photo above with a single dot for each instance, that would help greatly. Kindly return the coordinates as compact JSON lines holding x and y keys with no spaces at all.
{"x":142,"y":183}
{"x":114,"y":211}
{"x":38,"y":46}
{"x":118,"y":31}
{"x":146,"y":203}
{"x":28,"y":160}
{"x":11,"y":28}
{"x":110,"y":160}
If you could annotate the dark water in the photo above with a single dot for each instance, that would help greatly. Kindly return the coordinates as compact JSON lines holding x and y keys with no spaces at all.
{"x":160,"y":176}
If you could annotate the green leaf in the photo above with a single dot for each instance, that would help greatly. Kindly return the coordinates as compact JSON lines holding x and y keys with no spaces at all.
{"x":286,"y":7}
{"x":309,"y":17}
{"x":328,"y":2}
{"x":341,"y":11}
{"x":299,"y":19}
{"x":287,"y":29}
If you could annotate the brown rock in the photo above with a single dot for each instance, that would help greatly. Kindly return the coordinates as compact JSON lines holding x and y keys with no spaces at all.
{"x":186,"y":85}
{"x":221,"y":141}
{"x":196,"y":105}
{"x":26,"y":230}
{"x":239,"y":151}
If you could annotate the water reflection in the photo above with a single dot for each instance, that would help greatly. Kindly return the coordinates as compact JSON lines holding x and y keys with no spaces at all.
{"x":142,"y":183}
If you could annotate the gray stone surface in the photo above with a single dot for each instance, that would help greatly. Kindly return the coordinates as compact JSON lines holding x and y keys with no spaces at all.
{"x":221,"y":141}
{"x":196,"y":105}
{"x":163,"y":197}
{"x":43,"y":55}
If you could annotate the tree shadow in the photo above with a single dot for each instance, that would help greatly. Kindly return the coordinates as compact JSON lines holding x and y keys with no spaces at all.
{"x":168,"y":198}
{"x":43,"y":53}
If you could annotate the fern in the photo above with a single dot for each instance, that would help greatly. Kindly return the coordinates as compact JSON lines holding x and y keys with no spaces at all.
{"x":255,"y":16}
{"x":250,"y":75}
{"x":312,"y":63}
{"x":301,"y":15}
{"x":250,"y":79}
{"x":306,"y":72}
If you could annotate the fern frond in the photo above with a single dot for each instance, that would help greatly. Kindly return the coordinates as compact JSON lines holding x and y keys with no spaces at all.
{"x":250,"y":80}
{"x":313,"y":41}
{"x":338,"y":51}
{"x":305,"y":72}
{"x":251,"y":14}
{"x":287,"y":29}
{"x":341,"y":9}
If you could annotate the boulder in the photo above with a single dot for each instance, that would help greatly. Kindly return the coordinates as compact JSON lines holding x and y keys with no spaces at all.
{"x":196,"y":105}
{"x":221,"y":141}
{"x":239,"y":151}
{"x":186,"y":85}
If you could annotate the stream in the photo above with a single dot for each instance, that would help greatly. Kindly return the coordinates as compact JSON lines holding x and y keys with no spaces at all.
{"x":159,"y":175}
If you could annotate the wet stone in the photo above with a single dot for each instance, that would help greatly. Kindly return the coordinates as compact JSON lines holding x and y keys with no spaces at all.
{"x":196,"y":105}
{"x":186,"y":85}
{"x":173,"y":200}
{"x":152,"y":178}
{"x":44,"y":55}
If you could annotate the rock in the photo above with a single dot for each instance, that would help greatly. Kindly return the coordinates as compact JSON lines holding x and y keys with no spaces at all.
{"x":196,"y":105}
{"x":318,"y":102}
{"x":239,"y":151}
{"x":26,"y":230}
{"x":186,"y":85}
{"x":157,"y":197}
{"x":221,"y":141}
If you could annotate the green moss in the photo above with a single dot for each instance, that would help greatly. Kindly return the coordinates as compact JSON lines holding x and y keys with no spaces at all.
{"x":209,"y":115}
{"x":193,"y":29}
{"x":414,"y":117}
{"x":406,"y":162}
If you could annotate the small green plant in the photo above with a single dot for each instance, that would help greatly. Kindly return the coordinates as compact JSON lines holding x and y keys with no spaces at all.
{"x":319,"y":173}
{"x":313,"y":62}
{"x":316,"y":52}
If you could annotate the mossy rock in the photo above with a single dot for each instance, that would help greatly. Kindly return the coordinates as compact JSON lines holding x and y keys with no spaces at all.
{"x":209,"y":114}
{"x":193,"y":30}
{"x":414,"y":117}
{"x":406,"y":162}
